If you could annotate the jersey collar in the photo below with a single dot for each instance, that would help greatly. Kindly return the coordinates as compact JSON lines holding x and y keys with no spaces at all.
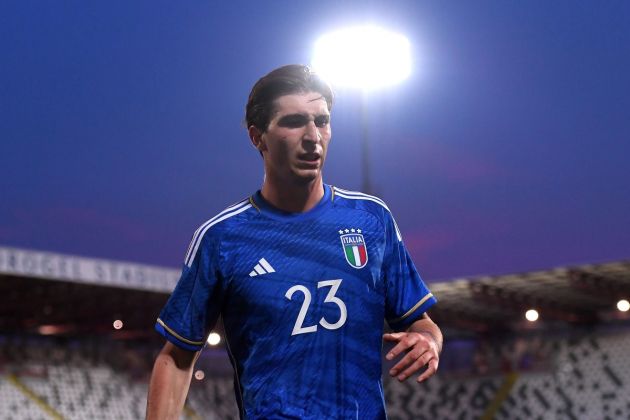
{"x":268,"y":210}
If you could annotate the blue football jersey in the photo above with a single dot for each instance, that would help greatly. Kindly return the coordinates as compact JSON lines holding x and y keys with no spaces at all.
{"x":303,"y":297}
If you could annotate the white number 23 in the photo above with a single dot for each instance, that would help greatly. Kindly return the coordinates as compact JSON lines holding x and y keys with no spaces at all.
{"x":330,"y":298}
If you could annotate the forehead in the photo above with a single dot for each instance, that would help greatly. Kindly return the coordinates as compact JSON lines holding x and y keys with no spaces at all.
{"x":310,"y":103}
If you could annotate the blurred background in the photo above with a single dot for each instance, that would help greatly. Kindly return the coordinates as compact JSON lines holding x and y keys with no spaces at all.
{"x":503,"y":156}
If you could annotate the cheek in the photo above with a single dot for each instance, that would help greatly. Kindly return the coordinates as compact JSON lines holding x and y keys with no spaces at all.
{"x":326,"y":134}
{"x":325,"y":145}
{"x":280,"y":148}
{"x":326,"y":137}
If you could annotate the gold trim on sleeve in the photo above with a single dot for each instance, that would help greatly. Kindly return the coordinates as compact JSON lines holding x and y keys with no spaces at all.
{"x":412,"y":310}
{"x":179,"y":337}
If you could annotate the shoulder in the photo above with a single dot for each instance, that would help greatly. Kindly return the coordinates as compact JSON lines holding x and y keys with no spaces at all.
{"x":213,"y":228}
{"x":359,"y":200}
{"x":366,"y":202}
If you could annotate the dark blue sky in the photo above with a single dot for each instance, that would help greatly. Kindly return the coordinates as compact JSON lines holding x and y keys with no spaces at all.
{"x":506,"y":151}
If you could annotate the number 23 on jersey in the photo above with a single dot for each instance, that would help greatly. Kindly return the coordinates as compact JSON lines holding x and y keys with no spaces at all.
{"x":299,"y":328}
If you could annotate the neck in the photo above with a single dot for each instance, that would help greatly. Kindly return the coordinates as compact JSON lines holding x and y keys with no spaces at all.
{"x":294,"y":198}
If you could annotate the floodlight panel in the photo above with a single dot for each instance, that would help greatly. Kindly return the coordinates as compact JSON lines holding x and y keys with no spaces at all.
{"x":366,"y":57}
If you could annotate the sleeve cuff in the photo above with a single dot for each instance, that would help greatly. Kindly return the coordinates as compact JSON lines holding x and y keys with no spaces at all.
{"x":177,"y":339}
{"x":413,"y":314}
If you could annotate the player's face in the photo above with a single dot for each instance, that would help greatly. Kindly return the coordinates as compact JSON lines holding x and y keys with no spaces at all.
{"x":296,"y":141}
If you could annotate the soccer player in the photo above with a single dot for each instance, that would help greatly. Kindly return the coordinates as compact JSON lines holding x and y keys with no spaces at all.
{"x":303,"y":275}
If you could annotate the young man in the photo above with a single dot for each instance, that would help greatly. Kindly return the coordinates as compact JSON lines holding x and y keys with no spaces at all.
{"x":303,"y":275}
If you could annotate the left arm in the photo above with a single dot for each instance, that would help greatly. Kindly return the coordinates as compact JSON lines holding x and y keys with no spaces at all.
{"x":422,"y":342}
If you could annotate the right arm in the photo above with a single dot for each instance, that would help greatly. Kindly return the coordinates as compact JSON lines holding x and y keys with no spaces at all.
{"x":170,"y":381}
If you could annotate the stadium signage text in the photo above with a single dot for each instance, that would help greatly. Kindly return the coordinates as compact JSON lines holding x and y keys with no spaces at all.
{"x":19,"y":262}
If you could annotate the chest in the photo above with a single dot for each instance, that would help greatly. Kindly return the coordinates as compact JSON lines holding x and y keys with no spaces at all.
{"x":314,"y":272}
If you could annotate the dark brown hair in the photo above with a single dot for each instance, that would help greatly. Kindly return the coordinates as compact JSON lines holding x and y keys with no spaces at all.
{"x":285,"y":80}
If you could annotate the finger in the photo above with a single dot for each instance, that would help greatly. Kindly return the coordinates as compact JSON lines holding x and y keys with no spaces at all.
{"x":407,"y":340}
{"x":409,"y":358}
{"x":414,"y":367}
{"x":403,"y":344}
{"x":393,"y":336}
{"x":431,"y":369}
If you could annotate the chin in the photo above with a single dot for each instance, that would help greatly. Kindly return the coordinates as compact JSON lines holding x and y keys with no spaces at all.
{"x":305,"y":177}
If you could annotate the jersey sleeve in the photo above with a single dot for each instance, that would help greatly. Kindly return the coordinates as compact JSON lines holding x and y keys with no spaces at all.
{"x":408,"y":297}
{"x":194,"y":306}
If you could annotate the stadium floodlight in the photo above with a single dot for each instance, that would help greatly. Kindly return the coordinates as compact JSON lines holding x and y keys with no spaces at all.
{"x":623,"y":305}
{"x":214,"y":339}
{"x":365,"y":57}
{"x":531,"y":315}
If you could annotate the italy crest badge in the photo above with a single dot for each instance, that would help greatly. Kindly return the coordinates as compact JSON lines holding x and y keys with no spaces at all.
{"x":354,"y":247}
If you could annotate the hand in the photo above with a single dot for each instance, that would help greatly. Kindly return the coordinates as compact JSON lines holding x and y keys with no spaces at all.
{"x":422,"y":350}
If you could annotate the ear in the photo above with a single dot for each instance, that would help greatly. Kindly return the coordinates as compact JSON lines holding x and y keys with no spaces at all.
{"x":255,"y":136}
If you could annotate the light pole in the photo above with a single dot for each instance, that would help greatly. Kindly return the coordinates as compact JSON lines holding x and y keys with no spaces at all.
{"x":365,"y":58}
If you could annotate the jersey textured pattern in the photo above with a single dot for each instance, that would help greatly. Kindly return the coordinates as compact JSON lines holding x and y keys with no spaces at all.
{"x":303,"y":297}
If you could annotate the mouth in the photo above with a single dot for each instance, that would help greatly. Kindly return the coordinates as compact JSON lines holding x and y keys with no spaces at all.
{"x":309,"y":160}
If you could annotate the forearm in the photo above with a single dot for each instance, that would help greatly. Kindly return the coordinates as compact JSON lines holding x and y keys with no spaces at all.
{"x":169,"y":384}
{"x":426,"y":326}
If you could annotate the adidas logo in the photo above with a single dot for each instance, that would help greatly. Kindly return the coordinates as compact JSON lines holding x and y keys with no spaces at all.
{"x":263,"y":267}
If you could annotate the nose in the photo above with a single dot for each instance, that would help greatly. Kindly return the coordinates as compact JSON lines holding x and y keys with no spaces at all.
{"x":311,"y":132}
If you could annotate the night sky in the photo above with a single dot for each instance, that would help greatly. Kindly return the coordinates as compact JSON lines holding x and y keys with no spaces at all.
{"x":505,"y":151}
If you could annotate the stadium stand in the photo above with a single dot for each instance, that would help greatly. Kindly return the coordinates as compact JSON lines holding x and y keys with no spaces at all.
{"x":98,"y":379}
{"x":61,"y":357}
{"x":586,"y":376}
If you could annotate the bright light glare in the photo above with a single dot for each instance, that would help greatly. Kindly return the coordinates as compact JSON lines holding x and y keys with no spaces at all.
{"x":623,"y":305}
{"x":118,"y":324}
{"x":531,"y":315}
{"x":214,"y":339}
{"x":364,"y":57}
{"x":199,"y":375}
{"x":48,"y":329}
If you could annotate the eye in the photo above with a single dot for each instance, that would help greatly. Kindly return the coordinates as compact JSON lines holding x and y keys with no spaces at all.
{"x":322,"y":120}
{"x":293,"y":121}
